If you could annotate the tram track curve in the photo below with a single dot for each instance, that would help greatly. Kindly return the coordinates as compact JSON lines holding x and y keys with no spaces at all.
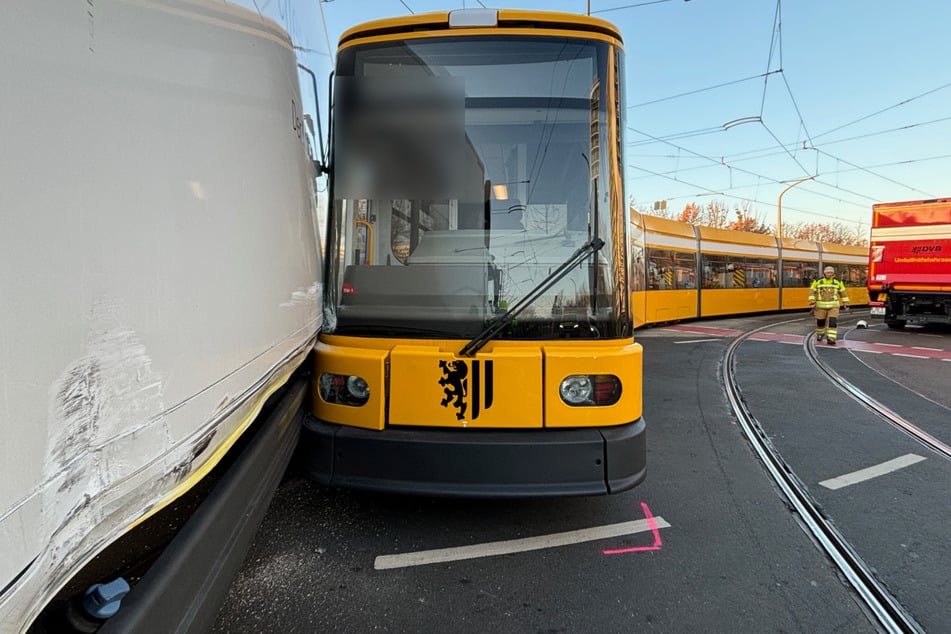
{"x":875,"y":406}
{"x":881,"y":605}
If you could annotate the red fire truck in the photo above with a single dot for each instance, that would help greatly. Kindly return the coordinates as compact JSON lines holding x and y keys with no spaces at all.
{"x":909,"y":270}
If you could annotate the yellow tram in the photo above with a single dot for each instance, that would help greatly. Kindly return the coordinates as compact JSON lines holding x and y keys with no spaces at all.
{"x":680,"y":271}
{"x":478,"y":332}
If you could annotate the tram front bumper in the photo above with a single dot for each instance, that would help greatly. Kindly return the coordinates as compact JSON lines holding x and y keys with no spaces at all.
{"x":475,"y":462}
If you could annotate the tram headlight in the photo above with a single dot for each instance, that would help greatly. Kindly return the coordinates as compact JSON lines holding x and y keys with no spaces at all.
{"x":590,"y":389}
{"x":358,"y":388}
{"x":576,"y":389}
{"x":343,"y":390}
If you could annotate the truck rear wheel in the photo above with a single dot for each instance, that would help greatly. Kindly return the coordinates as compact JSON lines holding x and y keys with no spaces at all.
{"x":895,"y":324}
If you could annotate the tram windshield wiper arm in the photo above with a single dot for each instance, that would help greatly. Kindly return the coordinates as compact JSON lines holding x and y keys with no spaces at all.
{"x":497,"y":325}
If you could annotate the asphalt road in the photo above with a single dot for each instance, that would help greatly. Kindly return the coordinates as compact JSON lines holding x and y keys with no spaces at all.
{"x":706,"y":544}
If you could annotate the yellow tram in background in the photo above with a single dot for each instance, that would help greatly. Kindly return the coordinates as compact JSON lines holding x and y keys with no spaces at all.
{"x":681,"y":271}
{"x":478,"y":333}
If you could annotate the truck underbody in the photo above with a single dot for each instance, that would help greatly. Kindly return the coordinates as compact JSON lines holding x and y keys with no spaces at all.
{"x":902,"y":308}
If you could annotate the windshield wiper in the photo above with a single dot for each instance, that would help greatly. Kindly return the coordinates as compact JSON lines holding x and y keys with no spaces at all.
{"x":497,"y":325}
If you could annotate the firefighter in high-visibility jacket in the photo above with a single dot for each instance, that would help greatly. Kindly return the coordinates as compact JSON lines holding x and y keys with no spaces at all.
{"x":825,"y":295}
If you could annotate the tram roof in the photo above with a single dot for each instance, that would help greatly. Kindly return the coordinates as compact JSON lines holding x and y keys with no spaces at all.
{"x":507,"y":19}
{"x":656,"y":224}
{"x":832,"y":248}
{"x":798,"y":244}
{"x":733,"y":236}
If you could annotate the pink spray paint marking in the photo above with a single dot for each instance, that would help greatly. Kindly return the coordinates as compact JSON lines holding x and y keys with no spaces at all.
{"x":641,"y":549}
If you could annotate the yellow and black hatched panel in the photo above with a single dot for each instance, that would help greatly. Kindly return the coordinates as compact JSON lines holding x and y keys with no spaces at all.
{"x":739,"y":278}
{"x":668,"y":279}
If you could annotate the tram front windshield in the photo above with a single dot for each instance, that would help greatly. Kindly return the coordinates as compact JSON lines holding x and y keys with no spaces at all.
{"x":465,"y":173}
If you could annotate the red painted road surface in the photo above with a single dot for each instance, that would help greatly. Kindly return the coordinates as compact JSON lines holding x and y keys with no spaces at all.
{"x":918,"y":352}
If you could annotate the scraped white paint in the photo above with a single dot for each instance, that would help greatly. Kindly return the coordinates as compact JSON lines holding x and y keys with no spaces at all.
{"x":108,"y":393}
{"x":508,"y":547}
{"x":304,"y":296}
{"x":142,"y":288}
{"x":872,"y":472}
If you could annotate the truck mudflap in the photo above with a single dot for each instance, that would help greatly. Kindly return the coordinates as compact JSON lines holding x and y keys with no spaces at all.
{"x":475,"y":462}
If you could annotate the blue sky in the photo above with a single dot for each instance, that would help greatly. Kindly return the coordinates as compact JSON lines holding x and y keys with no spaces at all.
{"x":852,"y":92}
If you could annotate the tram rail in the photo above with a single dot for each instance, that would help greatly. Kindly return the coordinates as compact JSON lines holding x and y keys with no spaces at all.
{"x":895,"y":419}
{"x":881,"y":605}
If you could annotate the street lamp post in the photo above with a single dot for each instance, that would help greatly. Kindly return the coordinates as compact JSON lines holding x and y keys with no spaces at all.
{"x":779,"y":205}
{"x":779,"y":232}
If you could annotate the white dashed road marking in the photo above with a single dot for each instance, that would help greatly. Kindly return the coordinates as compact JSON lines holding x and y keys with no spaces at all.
{"x":697,"y":341}
{"x":491,"y":549}
{"x":872,"y":472}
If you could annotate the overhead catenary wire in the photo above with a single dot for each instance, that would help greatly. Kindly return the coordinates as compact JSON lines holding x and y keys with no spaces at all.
{"x":748,"y":157}
{"x":776,"y":38}
{"x":629,"y":6}
{"x":878,"y":112}
{"x":781,"y":145}
{"x":883,"y":177}
{"x":924,"y":159}
{"x":687,"y":134}
{"x":323,"y":20}
{"x":725,"y":192}
{"x":821,"y":181}
{"x":792,"y":98}
{"x":706,"y":190}
{"x":749,"y":172}
{"x":775,"y":53}
{"x":776,"y":46}
{"x":775,"y":56}
{"x":784,"y":148}
{"x":888,"y":131}
{"x":700,"y":90}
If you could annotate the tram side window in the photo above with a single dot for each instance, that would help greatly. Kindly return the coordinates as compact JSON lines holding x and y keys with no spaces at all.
{"x":727,"y":271}
{"x":760,"y":273}
{"x":793,"y":273}
{"x":668,"y":269}
{"x":858,"y":275}
{"x":809,"y":274}
{"x":717,"y":271}
{"x":851,"y":274}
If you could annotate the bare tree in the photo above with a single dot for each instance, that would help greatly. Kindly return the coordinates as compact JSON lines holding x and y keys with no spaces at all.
{"x":746,"y":220}
{"x":835,"y":232}
{"x":716,"y":214}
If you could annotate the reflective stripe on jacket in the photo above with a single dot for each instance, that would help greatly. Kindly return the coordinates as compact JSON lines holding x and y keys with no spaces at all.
{"x":827,"y":293}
